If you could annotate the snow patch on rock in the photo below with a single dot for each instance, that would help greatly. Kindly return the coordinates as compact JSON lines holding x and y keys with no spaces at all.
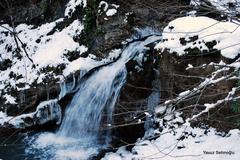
{"x":46,"y":111}
{"x":9,"y":99}
{"x":109,"y":9}
{"x":71,"y":6}
{"x":111,"y":12}
{"x":195,"y":32}
{"x":45,"y":50}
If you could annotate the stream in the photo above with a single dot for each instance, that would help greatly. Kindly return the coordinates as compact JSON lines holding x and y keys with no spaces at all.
{"x":82,"y":133}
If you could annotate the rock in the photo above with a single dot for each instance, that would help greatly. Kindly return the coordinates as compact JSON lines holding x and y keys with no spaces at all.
{"x":47,"y":111}
{"x":31,"y":11}
{"x":27,"y":100}
{"x":102,"y":36}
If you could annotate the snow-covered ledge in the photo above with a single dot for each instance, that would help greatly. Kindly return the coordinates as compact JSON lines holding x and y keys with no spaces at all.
{"x":186,"y":33}
{"x":46,"y":111}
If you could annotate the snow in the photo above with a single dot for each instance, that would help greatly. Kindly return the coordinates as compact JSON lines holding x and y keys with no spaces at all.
{"x":194,"y":142}
{"x":45,"y":50}
{"x":167,"y":101}
{"x":192,"y":13}
{"x":49,"y":51}
{"x":167,"y":146}
{"x":3,"y":118}
{"x":226,"y":34}
{"x":60,"y":43}
{"x":114,"y":53}
{"x":80,"y":63}
{"x":111,"y":12}
{"x":182,"y":94}
{"x":104,"y":5}
{"x":40,"y":116}
{"x":189,"y":67}
{"x":116,"y":6}
{"x":75,"y":154}
{"x":160,"y":109}
{"x":71,"y":6}
{"x":126,"y":16}
{"x":208,"y":107}
{"x":9,"y":99}
{"x":236,"y":65}
{"x":85,"y":64}
{"x":109,"y":9}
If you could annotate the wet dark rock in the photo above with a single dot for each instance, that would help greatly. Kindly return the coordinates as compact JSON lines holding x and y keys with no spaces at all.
{"x":6,"y":63}
{"x":47,"y":112}
{"x":101,"y":36}
{"x":31,"y":11}
{"x":28,"y":100}
{"x":134,"y":97}
{"x":109,"y":34}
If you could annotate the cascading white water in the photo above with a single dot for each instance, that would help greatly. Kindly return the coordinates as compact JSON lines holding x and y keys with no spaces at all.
{"x":84,"y":114}
{"x":67,"y":87}
{"x":100,"y":91}
{"x":96,"y":95}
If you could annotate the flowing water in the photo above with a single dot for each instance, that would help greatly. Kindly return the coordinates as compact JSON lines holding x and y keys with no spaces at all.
{"x":82,"y":132}
{"x":153,"y":101}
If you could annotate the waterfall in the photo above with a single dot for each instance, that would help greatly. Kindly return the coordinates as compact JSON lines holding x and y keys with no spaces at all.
{"x":83,"y":116}
{"x":83,"y":124}
{"x":152,"y":101}
{"x":97,"y":94}
{"x":68,"y":87}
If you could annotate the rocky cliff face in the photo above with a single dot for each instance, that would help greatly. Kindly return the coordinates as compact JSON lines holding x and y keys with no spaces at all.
{"x":31,"y":11}
{"x":104,"y":31}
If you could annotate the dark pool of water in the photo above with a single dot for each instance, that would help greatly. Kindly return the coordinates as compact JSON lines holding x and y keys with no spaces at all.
{"x":12,"y":147}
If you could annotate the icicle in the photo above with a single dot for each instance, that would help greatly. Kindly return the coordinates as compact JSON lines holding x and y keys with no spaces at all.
{"x":48,"y":111}
{"x":22,"y":96}
{"x":47,"y":89}
{"x":153,"y":101}
{"x":74,"y":81}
